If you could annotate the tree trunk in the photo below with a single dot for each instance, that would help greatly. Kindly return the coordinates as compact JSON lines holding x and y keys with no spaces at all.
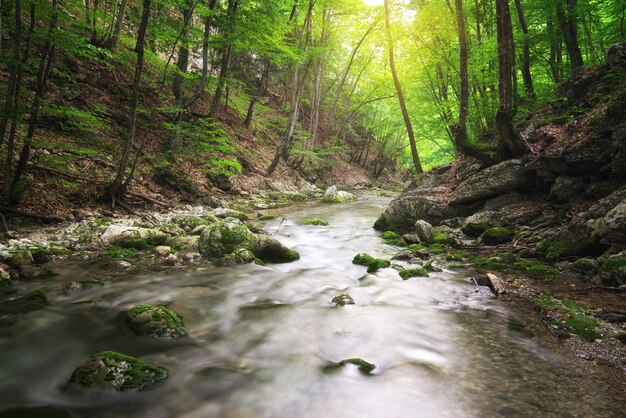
{"x":115,"y":189}
{"x":298,"y":81}
{"x":568,"y":20}
{"x":262,"y":91}
{"x":526,"y":74}
{"x":47,"y":54}
{"x":555,"y":46}
{"x":233,"y":5}
{"x":460,"y":133}
{"x":119,"y":22}
{"x":14,"y":69}
{"x":396,"y":82}
{"x":506,"y":60}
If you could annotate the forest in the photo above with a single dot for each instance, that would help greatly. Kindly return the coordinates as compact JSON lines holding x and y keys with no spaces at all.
{"x":302,"y":207}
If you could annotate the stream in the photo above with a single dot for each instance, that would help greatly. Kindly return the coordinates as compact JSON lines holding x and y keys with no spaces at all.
{"x":260,"y":336}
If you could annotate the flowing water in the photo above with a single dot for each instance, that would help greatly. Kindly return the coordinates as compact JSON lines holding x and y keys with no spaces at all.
{"x":261,"y":336}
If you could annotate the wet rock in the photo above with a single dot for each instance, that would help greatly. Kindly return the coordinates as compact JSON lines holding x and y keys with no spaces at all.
{"x":411,"y":238}
{"x":33,"y":301}
{"x":28,"y":272}
{"x":155,"y":322}
{"x":332,"y":195}
{"x":377,"y":264}
{"x":416,"y":272}
{"x":271,"y":250}
{"x":163,"y":251}
{"x":501,"y":178}
{"x":191,"y":257}
{"x":23,"y":257}
{"x":497,"y":235}
{"x":362,"y":259}
{"x":566,"y":187}
{"x":238,"y":257}
{"x":172,"y":260}
{"x":343,"y":300}
{"x":404,"y":255}
{"x":224,"y":237}
{"x":71,"y":287}
{"x":363,"y":366}
{"x":424,"y":230}
{"x":111,"y":371}
{"x":480,"y":222}
{"x":119,"y":265}
{"x":224,"y":213}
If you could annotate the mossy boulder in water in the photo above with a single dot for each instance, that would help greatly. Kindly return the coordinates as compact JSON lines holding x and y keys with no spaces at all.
{"x":155,"y":322}
{"x":416,"y":272}
{"x":271,"y":250}
{"x":377,"y":264}
{"x":315,"y":222}
{"x":393,"y":238}
{"x":224,"y":237}
{"x":362,"y":259}
{"x":111,"y":371}
{"x":239,"y":257}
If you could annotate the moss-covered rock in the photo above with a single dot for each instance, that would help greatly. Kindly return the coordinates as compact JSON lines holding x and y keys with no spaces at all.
{"x":111,"y":371}
{"x":343,"y":300}
{"x":38,"y":297}
{"x":271,"y":250}
{"x":393,"y":238}
{"x":239,"y":257}
{"x":315,"y":222}
{"x":585,"y":266}
{"x":22,"y":257}
{"x":363,"y":366}
{"x":534,"y":269}
{"x":155,"y":322}
{"x":223,"y":237}
{"x":266,"y":217}
{"x":613,"y":270}
{"x":443,"y":235}
{"x":416,"y":272}
{"x":377,"y":264}
{"x":497,"y":235}
{"x":130,"y":237}
{"x":225,"y":213}
{"x":480,"y":222}
{"x":362,"y":259}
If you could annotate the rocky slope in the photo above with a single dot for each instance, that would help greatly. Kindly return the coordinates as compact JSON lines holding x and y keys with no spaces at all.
{"x":558,"y":215}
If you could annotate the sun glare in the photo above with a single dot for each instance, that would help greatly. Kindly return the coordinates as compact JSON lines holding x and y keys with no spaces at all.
{"x":374,"y":2}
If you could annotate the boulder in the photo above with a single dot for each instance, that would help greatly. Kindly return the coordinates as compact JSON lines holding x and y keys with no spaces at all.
{"x":500,"y":202}
{"x":611,"y":228}
{"x":332,"y":195}
{"x":427,"y":204}
{"x":501,"y":178}
{"x":111,"y":371}
{"x":223,"y":213}
{"x":187,"y":243}
{"x":424,"y":230}
{"x":480,"y":222}
{"x":566,"y":187}
{"x":222,"y":181}
{"x":238,"y":257}
{"x":343,"y":300}
{"x":616,"y":57}
{"x":155,"y":322}
{"x":271,"y":250}
{"x":613,"y":270}
{"x":132,"y":237}
{"x":224,"y":237}
{"x":23,"y":257}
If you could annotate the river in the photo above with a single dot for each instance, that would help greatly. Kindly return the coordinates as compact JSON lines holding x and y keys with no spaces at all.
{"x":260,"y":336}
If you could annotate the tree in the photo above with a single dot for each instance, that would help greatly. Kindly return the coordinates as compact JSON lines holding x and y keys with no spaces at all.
{"x":526,"y":74}
{"x":511,"y":140}
{"x":405,"y":113}
{"x":566,"y":11}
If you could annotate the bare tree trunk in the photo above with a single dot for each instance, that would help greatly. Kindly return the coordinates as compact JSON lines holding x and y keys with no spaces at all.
{"x":526,"y":74}
{"x":506,"y":60}
{"x":555,"y":46}
{"x":396,"y":82}
{"x":14,"y":69}
{"x":568,"y":20}
{"x":233,"y":5}
{"x":119,"y":22}
{"x":47,"y":54}
{"x":460,"y":133}
{"x":262,"y":91}
{"x":116,"y":191}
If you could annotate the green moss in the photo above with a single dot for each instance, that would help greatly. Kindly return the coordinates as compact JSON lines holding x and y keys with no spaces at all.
{"x":334,"y":199}
{"x":363,"y":366}
{"x":613,"y":265}
{"x":157,"y":321}
{"x":458,"y":256}
{"x":115,"y":252}
{"x":190,"y":221}
{"x":442,"y":236}
{"x":546,"y":303}
{"x":393,"y":238}
{"x":417,"y":272}
{"x":436,"y":249}
{"x":38,"y":296}
{"x":583,"y":326}
{"x":417,"y":247}
{"x":474,"y":229}
{"x":362,"y":259}
{"x":139,"y":375}
{"x":498,"y":235}
{"x":315,"y":221}
{"x":291,"y":255}
{"x":534,"y":269}
{"x":267,"y":217}
{"x":377,"y":264}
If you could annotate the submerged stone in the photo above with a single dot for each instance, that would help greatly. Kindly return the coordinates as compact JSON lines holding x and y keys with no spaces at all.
{"x":111,"y":371}
{"x":343,"y":300}
{"x":363,"y":366}
{"x":155,"y":322}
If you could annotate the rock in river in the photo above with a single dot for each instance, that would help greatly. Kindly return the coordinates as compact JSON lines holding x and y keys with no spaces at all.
{"x":111,"y":371}
{"x":155,"y":321}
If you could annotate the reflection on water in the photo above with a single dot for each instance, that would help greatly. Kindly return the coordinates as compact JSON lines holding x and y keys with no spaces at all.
{"x":260,"y":336}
